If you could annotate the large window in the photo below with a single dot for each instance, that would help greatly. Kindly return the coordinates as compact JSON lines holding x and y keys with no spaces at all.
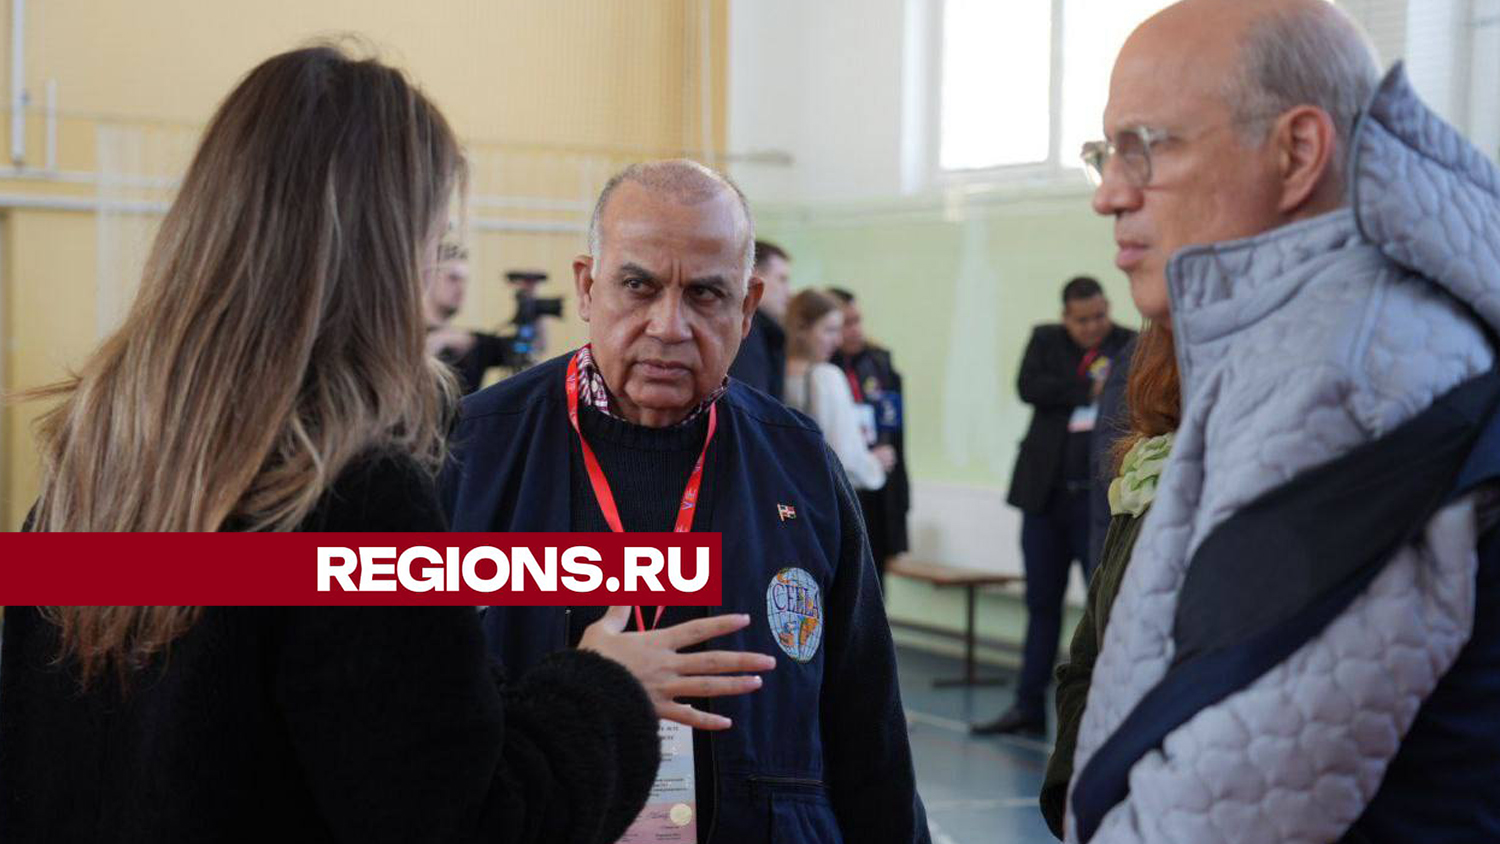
{"x":1093,"y":33}
{"x":996,"y":103}
{"x":1000,"y":106}
{"x":1022,"y":84}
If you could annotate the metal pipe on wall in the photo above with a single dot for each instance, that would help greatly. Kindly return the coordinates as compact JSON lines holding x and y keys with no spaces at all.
{"x":18,"y":81}
{"x":150,"y":207}
{"x":705,"y":83}
{"x":50,"y":162}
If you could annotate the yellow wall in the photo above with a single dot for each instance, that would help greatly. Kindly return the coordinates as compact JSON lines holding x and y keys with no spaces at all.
{"x":552,"y":71}
{"x":551,"y":95}
{"x":50,"y":324}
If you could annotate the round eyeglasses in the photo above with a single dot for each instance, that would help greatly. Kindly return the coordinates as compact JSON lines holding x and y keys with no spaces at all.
{"x":1131,"y":148}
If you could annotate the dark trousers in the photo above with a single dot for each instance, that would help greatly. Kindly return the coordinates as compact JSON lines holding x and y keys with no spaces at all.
{"x":872,"y":505}
{"x":1050,"y":542}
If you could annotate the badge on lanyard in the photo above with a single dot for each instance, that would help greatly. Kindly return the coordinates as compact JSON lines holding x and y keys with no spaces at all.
{"x":1083,"y":419}
{"x":868,"y":422}
{"x":1095,"y":367}
{"x":671,"y":813}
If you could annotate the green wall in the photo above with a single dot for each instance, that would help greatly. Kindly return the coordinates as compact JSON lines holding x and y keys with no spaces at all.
{"x":954,"y":291}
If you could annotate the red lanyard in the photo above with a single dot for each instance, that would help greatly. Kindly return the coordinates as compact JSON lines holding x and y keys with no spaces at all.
{"x":859,"y":395}
{"x":606,"y":497}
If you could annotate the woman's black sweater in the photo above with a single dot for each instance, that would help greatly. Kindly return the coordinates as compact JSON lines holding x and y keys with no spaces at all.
{"x":323,"y":724}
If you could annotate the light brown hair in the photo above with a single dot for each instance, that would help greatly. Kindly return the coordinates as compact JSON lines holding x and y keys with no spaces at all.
{"x":802,"y":313}
{"x":277,"y":334}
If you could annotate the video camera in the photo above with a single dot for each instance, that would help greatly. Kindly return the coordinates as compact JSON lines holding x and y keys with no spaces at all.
{"x":529,"y":311}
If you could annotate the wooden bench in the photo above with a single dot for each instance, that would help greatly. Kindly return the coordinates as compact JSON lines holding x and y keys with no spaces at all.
{"x":941,"y":575}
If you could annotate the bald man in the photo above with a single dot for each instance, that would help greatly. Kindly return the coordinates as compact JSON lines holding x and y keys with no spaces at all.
{"x":1305,"y":640}
{"x":820,"y":752}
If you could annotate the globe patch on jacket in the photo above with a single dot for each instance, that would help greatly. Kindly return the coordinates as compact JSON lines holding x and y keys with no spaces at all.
{"x":794,"y":608}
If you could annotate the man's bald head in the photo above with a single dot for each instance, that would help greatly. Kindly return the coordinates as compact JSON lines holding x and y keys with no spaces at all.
{"x":681,"y":180}
{"x":1266,"y":57}
{"x":667,"y":290}
{"x":1239,"y":116}
{"x":1305,"y":52}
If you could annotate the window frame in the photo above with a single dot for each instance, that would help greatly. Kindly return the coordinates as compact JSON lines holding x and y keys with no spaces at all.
{"x":1049,"y":170}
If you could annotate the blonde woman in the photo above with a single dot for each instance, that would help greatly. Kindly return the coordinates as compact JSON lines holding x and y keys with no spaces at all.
{"x":271,"y":376}
{"x":815,"y":328}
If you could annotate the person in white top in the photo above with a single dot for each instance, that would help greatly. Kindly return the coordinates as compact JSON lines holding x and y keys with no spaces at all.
{"x":814,"y":326}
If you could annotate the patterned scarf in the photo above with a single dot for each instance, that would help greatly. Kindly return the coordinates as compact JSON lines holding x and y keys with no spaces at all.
{"x":1135,"y":488}
{"x":593,"y":390}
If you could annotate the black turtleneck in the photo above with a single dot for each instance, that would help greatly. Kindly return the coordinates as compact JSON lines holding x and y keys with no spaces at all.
{"x":647,"y":468}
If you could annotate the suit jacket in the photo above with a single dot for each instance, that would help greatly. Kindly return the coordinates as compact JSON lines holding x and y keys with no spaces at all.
{"x":1051,"y":384}
{"x":761,"y":361}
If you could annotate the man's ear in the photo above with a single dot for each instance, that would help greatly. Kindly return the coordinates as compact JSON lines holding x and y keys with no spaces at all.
{"x":753,"y":291}
{"x":1305,"y":141}
{"x":583,"y":282}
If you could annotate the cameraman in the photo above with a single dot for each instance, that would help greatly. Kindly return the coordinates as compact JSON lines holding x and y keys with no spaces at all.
{"x":470,"y":354}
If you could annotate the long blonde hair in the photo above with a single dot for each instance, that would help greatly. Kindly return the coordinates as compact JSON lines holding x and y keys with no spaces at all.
{"x":277,"y":335}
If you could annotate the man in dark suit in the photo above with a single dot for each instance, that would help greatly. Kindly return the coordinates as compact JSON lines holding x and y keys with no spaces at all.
{"x":761,"y":361}
{"x":1062,"y":375}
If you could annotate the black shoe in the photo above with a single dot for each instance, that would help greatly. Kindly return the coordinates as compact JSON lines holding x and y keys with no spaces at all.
{"x":1014,"y":722}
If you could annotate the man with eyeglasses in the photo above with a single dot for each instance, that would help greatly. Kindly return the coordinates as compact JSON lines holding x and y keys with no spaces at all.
{"x":1305,"y":645}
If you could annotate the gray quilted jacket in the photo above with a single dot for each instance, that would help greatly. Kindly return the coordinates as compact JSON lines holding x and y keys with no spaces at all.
{"x":1295,"y":347}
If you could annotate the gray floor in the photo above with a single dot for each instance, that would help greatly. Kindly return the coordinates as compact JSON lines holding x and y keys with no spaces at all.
{"x":977,"y":790}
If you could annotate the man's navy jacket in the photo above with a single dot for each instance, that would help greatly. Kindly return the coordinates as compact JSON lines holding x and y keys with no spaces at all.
{"x":761,"y":361}
{"x":820,"y":753}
